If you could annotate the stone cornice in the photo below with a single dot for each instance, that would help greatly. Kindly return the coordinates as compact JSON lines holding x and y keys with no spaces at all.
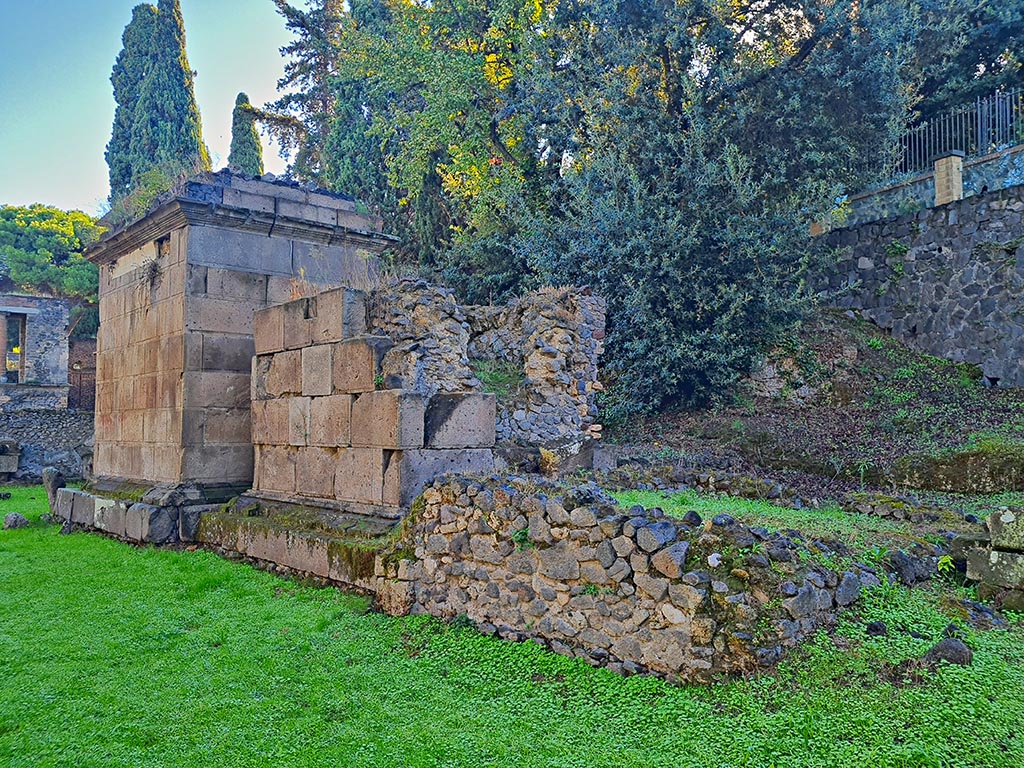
{"x":182,"y":211}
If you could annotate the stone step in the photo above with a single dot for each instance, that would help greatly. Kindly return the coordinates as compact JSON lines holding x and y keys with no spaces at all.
{"x":333,"y":545}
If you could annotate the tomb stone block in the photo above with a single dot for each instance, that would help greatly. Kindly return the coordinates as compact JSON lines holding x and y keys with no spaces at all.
{"x":388,"y":418}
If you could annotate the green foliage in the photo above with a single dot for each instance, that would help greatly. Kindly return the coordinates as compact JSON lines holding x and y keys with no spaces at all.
{"x":246,"y":153}
{"x":147,"y":188}
{"x":643,"y":150}
{"x":966,"y":50}
{"x":297,"y":675}
{"x":828,"y":521}
{"x":503,"y":380}
{"x":157,"y":124}
{"x":130,"y":69}
{"x":41,"y":252}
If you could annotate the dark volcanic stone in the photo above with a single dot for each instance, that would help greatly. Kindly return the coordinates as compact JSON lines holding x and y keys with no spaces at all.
{"x":849,"y":589}
{"x":951,"y":650}
{"x":15,"y":520}
{"x":877,"y":629}
{"x":693,"y":519}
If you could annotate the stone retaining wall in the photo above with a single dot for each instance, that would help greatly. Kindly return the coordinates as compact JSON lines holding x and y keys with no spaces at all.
{"x":61,"y":439}
{"x":947,"y":281}
{"x":634,"y":590}
{"x":993,"y":171}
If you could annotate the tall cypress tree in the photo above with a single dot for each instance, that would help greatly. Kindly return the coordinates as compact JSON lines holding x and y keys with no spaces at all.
{"x":168,"y":130}
{"x":246,"y":153}
{"x":130,"y":70}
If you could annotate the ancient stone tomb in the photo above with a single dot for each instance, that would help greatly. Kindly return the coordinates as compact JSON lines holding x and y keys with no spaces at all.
{"x":177,"y":293}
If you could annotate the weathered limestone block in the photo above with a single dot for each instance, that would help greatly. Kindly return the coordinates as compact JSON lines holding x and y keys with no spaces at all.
{"x":111,"y":516}
{"x":65,"y":502}
{"x":298,"y":420}
{"x":53,"y":480}
{"x":298,"y":322}
{"x":329,"y":421}
{"x":462,"y":420}
{"x":409,"y":471}
{"x":388,"y":418}
{"x":317,"y":370}
{"x":1006,"y":526}
{"x":275,"y":469}
{"x":1002,"y":569}
{"x":358,"y":364}
{"x":315,"y":471}
{"x":360,"y":475}
{"x":340,"y":315}
{"x":268,"y":330}
{"x":270,"y":424}
{"x":83,"y":510}
{"x":284,"y":377}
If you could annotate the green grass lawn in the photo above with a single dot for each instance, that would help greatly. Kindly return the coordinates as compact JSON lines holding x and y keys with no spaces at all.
{"x":115,"y":656}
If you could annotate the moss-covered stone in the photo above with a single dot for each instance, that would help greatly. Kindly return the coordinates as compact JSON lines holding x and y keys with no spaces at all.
{"x":990,"y":466}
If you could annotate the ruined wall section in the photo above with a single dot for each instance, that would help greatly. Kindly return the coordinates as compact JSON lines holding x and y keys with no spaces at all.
{"x":556,"y":336}
{"x":634,"y":590}
{"x":431,"y":336}
{"x":332,"y":426}
{"x":43,"y":379}
{"x":546,"y":347}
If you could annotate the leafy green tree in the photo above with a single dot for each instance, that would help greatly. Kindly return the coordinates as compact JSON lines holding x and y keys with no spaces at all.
{"x":966,"y":50}
{"x":168,"y":128}
{"x":41,"y":252}
{"x":130,"y":71}
{"x":246,"y":154}
{"x":668,"y":153}
{"x":689,"y":165}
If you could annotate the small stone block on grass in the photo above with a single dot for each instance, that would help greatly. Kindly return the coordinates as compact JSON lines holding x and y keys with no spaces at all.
{"x":83,"y":510}
{"x":1006,"y":527}
{"x":110,"y":516}
{"x":388,"y":418}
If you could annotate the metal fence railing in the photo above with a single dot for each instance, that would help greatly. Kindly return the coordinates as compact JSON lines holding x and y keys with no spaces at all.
{"x":974,"y":129}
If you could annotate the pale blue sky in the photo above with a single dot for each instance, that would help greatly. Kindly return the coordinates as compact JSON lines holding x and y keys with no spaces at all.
{"x":56,"y":105}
